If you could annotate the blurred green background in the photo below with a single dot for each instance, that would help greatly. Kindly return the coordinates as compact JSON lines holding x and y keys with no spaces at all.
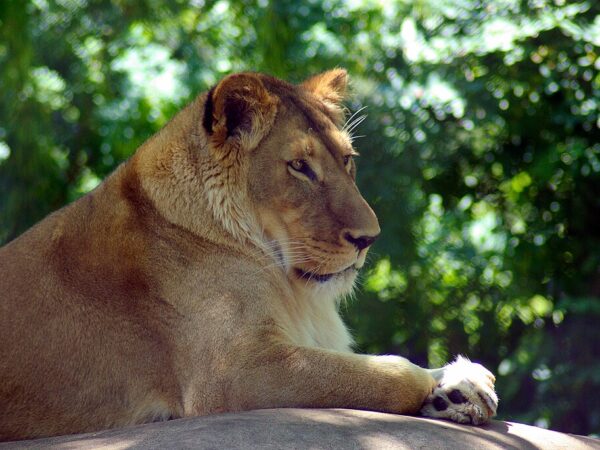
{"x":481,"y":156}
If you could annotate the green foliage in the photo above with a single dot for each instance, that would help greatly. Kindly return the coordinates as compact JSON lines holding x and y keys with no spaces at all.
{"x":482,"y":158}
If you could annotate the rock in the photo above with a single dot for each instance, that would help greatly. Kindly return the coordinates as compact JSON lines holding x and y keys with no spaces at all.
{"x":315,"y":429}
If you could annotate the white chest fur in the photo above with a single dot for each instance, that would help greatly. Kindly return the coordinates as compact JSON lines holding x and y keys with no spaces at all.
{"x":318,"y":323}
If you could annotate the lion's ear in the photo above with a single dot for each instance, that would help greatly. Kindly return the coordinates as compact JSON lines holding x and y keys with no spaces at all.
{"x":239,"y":107}
{"x":329,"y":87}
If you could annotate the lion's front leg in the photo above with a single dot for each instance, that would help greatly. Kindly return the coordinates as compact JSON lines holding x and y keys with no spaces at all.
{"x":464,"y":393}
{"x":294,"y":376}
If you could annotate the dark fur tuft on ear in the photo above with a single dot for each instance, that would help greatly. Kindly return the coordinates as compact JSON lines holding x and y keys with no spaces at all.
{"x":241,"y":108}
{"x":207,"y":120}
{"x":237,"y":115}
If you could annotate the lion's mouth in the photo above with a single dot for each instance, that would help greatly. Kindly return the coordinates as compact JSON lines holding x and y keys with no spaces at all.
{"x":322,"y":277}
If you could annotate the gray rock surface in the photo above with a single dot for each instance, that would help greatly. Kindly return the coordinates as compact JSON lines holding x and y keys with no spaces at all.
{"x":315,"y":429}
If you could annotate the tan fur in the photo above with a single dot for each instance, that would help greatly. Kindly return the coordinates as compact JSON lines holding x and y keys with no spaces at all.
{"x":172,"y":289}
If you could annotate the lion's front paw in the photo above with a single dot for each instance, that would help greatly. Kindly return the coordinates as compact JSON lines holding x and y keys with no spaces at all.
{"x":465,"y":393}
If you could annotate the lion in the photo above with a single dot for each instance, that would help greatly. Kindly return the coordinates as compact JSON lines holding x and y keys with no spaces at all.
{"x":204,"y":275}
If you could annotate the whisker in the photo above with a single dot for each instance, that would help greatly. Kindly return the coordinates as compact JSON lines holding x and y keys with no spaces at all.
{"x":352,"y":137}
{"x":355,"y":119}
{"x":275,"y":265}
{"x":316,"y":270}
{"x":349,"y":120}
{"x":355,"y":123}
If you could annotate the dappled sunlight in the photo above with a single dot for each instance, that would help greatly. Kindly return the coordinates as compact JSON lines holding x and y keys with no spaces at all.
{"x":317,"y":428}
{"x":118,"y":443}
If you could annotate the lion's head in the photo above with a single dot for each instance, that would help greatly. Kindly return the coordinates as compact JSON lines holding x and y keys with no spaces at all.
{"x":295,"y":158}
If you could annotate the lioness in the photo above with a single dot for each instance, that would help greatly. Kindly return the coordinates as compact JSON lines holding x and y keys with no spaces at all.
{"x":204,"y":276}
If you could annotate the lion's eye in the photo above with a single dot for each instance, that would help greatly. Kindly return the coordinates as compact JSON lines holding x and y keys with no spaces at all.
{"x":347,"y":159}
{"x":300,"y":166}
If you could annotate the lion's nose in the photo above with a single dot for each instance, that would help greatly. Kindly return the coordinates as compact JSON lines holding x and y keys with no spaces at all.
{"x":360,"y":242}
